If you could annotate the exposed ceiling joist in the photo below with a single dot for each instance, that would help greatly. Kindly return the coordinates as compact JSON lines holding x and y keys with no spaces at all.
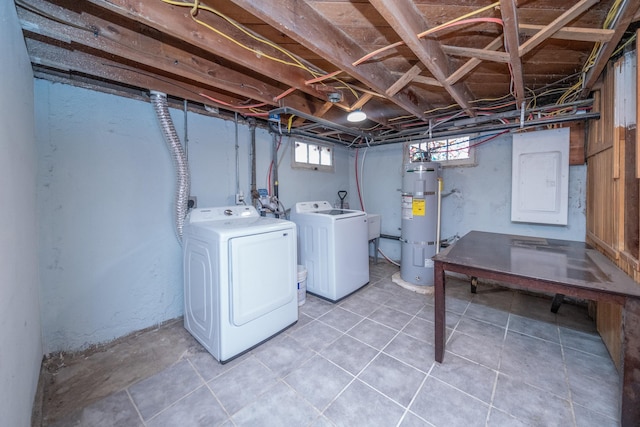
{"x":473,"y":62}
{"x":361,"y":101}
{"x":512,"y":44}
{"x":429,"y":81}
{"x":406,"y":20}
{"x":570,"y":33}
{"x":176,"y":22}
{"x":317,"y":33}
{"x":407,"y":62}
{"x":86,"y":30}
{"x":404,"y":80}
{"x":60,"y":58}
{"x":577,"y":10}
{"x":482,"y":54}
{"x":626,"y":14}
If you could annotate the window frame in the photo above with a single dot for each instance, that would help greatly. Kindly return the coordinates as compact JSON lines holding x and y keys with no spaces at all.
{"x":469,"y":161}
{"x":312,"y":166}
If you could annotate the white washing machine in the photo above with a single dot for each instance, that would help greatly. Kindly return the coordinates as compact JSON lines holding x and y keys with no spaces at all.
{"x":333,"y":246}
{"x":240,"y":278}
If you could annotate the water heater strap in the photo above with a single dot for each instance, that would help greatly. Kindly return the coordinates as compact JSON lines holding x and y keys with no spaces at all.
{"x":426,"y":193}
{"x":411,"y":242}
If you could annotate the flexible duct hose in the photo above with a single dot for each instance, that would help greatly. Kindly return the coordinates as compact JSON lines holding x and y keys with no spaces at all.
{"x":159,"y":101}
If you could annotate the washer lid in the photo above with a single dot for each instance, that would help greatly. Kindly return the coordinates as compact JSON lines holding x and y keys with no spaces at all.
{"x":324,"y":208}
{"x":335,"y":212}
{"x":305,"y":207}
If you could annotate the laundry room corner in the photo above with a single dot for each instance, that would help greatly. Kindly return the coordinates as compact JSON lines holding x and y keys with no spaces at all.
{"x":110,"y":262}
{"x":474,"y":197}
{"x":20,"y":323}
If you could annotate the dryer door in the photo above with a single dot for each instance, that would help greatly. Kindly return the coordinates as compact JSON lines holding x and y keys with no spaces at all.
{"x":263,"y":274}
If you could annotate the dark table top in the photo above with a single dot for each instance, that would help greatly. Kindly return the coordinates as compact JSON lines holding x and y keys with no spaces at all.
{"x":560,"y":261}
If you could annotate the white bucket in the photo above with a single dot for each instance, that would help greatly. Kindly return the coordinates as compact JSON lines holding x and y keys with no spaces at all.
{"x":302,"y":284}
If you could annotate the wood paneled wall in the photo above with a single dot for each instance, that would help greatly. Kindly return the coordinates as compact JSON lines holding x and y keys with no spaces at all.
{"x":613,"y":205}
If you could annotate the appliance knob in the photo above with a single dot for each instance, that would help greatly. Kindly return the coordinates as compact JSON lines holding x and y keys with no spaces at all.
{"x":228,"y":212}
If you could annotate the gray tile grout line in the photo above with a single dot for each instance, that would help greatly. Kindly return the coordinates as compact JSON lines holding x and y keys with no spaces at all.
{"x":144,"y":423}
{"x":453,"y":330}
{"x":284,"y":380}
{"x":413,"y":399}
{"x":424,"y":380}
{"x":495,"y":383}
{"x":172,"y":404}
{"x":356,"y":377}
{"x":380,"y":351}
{"x":566,"y":372}
{"x":562,"y":349}
{"x":206,"y":384}
{"x":317,"y":353}
{"x":507,"y":330}
{"x":497,"y":370}
{"x":566,"y":377}
{"x":428,"y":373}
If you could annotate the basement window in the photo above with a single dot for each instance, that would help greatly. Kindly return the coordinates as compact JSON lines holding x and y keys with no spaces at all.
{"x":313,"y":155}
{"x":447,"y":151}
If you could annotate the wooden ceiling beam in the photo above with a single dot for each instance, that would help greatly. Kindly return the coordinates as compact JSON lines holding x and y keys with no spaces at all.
{"x":482,"y":54}
{"x":625,"y":17}
{"x":568,"y":16}
{"x":512,"y":44}
{"x":468,"y":66}
{"x":407,"y":21}
{"x":430,"y":81}
{"x":361,"y":101}
{"x":300,"y":21}
{"x":86,"y":30}
{"x":76,"y":62}
{"x":404,"y":80}
{"x":318,"y":113}
{"x":571,"y":33}
{"x":176,"y":22}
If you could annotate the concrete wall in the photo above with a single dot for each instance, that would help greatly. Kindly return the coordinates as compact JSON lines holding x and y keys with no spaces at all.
{"x":481,"y":201}
{"x":110,"y":263}
{"x":213,"y":164}
{"x":20,"y":340}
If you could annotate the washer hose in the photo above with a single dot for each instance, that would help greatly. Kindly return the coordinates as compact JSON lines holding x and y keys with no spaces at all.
{"x":161,"y":107}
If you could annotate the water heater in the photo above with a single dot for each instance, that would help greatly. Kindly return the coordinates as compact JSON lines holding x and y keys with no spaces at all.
{"x":420,"y":184}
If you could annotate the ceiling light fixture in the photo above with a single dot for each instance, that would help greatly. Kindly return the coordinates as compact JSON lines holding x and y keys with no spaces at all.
{"x":356,"y":116}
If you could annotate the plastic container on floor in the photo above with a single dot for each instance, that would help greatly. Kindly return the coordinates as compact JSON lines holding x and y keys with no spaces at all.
{"x":302,"y":284}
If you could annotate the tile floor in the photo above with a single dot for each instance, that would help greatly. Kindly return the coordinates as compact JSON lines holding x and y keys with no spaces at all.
{"x":369,"y":361}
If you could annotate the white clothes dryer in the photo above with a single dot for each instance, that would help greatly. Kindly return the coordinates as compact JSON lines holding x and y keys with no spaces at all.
{"x":333,"y":246}
{"x":240,"y":278}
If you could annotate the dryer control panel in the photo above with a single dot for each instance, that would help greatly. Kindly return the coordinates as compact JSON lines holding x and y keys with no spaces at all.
{"x":222,"y":213}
